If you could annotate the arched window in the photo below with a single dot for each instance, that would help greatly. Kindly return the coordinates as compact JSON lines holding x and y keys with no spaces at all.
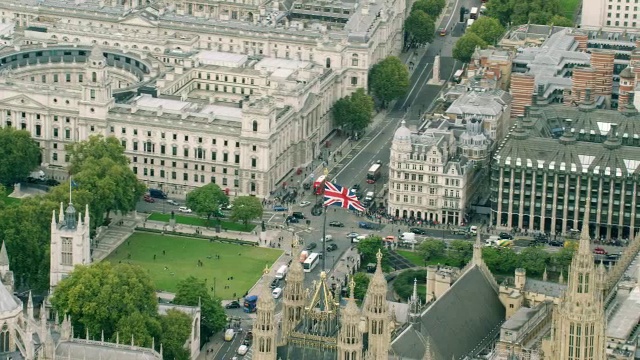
{"x":4,"y":339}
{"x":328,"y":63}
{"x":255,"y":126}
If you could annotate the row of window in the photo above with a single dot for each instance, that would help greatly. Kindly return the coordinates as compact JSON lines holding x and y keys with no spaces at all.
{"x":419,"y":200}
{"x":431,"y":191}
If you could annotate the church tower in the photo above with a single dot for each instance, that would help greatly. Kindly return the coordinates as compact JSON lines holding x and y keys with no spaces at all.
{"x":376,"y":310}
{"x":579,"y":322}
{"x":350,"y":338}
{"x":264,"y":327}
{"x":293,"y":300}
{"x":70,"y":244}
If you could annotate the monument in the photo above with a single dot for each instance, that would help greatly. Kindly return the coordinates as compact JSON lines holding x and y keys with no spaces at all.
{"x":435,"y":80}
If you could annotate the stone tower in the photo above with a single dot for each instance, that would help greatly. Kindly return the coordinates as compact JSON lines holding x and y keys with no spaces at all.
{"x":376,"y":311}
{"x":96,"y":87}
{"x":70,"y":244}
{"x":579,"y":323}
{"x":351,"y":328}
{"x":293,"y":300}
{"x":264,"y":327}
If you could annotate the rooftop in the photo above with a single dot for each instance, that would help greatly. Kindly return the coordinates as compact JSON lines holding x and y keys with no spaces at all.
{"x":487,"y":103}
{"x":520,"y":318}
{"x":208,"y":57}
{"x":147,"y":102}
{"x":626,"y":318}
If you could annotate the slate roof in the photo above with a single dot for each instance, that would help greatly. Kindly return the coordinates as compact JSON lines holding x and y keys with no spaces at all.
{"x":457,"y":322}
{"x":305,"y":353}
{"x":77,"y":349}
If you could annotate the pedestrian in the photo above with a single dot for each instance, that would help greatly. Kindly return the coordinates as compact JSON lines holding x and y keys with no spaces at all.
{"x":154,"y":256}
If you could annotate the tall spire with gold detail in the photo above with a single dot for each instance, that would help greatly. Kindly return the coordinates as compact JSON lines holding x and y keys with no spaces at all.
{"x":579,"y":324}
{"x":350,"y":338}
{"x":293,"y":299}
{"x":264,"y":327}
{"x":376,"y":310}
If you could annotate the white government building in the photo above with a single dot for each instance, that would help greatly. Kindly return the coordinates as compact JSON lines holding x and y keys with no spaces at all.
{"x":236,"y":93}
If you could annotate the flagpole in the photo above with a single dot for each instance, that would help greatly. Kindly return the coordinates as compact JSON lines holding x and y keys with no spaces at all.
{"x":324,"y":237}
{"x":70,"y":184}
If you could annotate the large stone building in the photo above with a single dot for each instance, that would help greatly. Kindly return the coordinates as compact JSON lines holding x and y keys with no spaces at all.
{"x":237,"y":94}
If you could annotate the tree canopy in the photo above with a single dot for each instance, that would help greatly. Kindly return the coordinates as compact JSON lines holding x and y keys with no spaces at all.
{"x":420,"y":27}
{"x":19,"y":155}
{"x":388,"y":79}
{"x":206,"y":200}
{"x":190,"y":292}
{"x":105,"y":297}
{"x":96,"y":147}
{"x":558,"y":20}
{"x":431,"y":248}
{"x":353,"y":112}
{"x":176,"y":328}
{"x":524,"y":12}
{"x":488,"y":29}
{"x":466,"y":46}
{"x":362,"y":283}
{"x":368,"y":248}
{"x":433,"y":8}
{"x":246,"y":208}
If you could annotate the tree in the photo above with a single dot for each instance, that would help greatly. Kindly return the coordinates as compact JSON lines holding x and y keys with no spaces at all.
{"x":488,"y":29}
{"x":388,"y":79}
{"x":534,"y":259}
{"x":19,"y":155}
{"x":353,"y":112}
{"x":142,"y":328}
{"x":558,"y":20}
{"x":362,"y":283}
{"x":403,"y":284}
{"x":176,"y":329}
{"x":500,"y":260}
{"x":246,"y":208}
{"x":101,"y":296}
{"x":192,"y":291}
{"x":523,"y":12}
{"x":460,"y":252}
{"x":420,"y":27}
{"x":96,"y":147}
{"x":433,"y":8}
{"x":206,"y":200}
{"x":431,"y":248}
{"x":466,"y":46}
{"x":562,"y":259}
{"x":368,"y":249}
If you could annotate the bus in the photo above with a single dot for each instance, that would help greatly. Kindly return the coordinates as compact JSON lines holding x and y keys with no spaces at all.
{"x":250,"y":304}
{"x":457,"y":77}
{"x":474,"y":13}
{"x":311,"y":262}
{"x":374,"y":173}
{"x":318,"y":185}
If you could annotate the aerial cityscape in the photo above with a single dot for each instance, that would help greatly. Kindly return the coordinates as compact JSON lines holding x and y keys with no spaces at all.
{"x":319,"y":180}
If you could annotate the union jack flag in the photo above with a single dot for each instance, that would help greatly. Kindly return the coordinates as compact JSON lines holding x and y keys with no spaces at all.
{"x":341,"y":196}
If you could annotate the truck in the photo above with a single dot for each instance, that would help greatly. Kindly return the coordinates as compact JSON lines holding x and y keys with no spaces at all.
{"x":374,"y":173}
{"x":158,"y":194}
{"x":282,"y":272}
{"x":495,"y":241}
{"x":250,"y":304}
{"x":474,"y":13}
{"x":408,"y":238}
{"x":37,"y":175}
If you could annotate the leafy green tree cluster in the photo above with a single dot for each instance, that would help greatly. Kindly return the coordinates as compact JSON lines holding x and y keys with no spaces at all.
{"x":466,"y":45}
{"x":420,"y":27}
{"x":488,"y":29}
{"x":192,"y":291}
{"x":432,"y":8}
{"x":388,"y":80}
{"x":543,"y":12}
{"x":353,"y":112}
{"x":368,"y":249}
{"x":120,"y":300}
{"x":246,"y":208}
{"x":207,"y":200}
{"x":19,"y":155}
{"x":432,"y":249}
{"x":362,"y":283}
{"x":403,"y":283}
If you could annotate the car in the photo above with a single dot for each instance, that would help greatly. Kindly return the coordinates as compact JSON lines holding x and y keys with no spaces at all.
{"x":172,"y":202}
{"x":328,"y":238}
{"x":336,"y":224}
{"x":460,"y":231}
{"x":352,"y":235}
{"x":332,"y":247}
{"x":149,"y":199}
{"x":556,"y":243}
{"x":505,"y":236}
{"x":311,"y":246}
{"x":600,"y":251}
{"x":365,"y":225}
{"x":277,"y":292}
{"x":442,"y":31}
{"x":292,"y":219}
{"x":232,"y":305}
{"x":246,"y":341}
{"x":418,"y":231}
{"x":242,"y":350}
{"x":280,"y":208}
{"x":184,"y":209}
{"x":298,"y":215}
{"x":275,"y":283}
{"x":473,"y":230}
{"x":304,"y":203}
{"x":355,"y":187}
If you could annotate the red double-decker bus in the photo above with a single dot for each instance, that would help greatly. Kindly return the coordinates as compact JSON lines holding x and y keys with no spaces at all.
{"x":318,"y":185}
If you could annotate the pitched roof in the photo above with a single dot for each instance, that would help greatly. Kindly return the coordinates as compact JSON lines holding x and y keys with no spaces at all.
{"x":87,"y":349}
{"x":305,"y":353}
{"x":457,"y":322}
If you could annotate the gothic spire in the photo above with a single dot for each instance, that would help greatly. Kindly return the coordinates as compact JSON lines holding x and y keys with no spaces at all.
{"x":29,"y":305}
{"x":544,"y":274}
{"x":4,"y":257}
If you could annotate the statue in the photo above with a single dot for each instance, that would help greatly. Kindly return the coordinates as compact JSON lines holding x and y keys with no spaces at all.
{"x":173,"y":215}
{"x":264,"y":227}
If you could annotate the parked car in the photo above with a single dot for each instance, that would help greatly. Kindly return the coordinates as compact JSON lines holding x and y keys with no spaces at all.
{"x":311,"y":246}
{"x":184,"y":209}
{"x":149,"y":199}
{"x":304,"y":203}
{"x":276,"y":292}
{"x":556,"y":243}
{"x":332,"y":247}
{"x":232,"y":305}
{"x":280,"y":208}
{"x":355,"y":187}
{"x":336,"y":224}
{"x":172,"y":202}
{"x":242,"y":350}
{"x":275,"y":283}
{"x":505,"y":236}
{"x":293,"y":219}
{"x":418,"y":231}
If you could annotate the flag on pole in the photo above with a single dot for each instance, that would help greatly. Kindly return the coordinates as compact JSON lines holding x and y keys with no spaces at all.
{"x":341,"y":196}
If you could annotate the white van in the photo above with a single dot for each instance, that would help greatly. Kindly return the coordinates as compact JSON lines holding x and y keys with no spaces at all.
{"x":229,"y":334}
{"x":473,"y":230}
{"x":276,"y":292}
{"x":282,"y":272}
{"x":408,"y":238}
{"x":328,"y":238}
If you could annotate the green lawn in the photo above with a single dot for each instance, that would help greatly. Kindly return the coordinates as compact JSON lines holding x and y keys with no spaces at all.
{"x":415,"y":258}
{"x":568,"y":8}
{"x":4,"y":197}
{"x":197,"y":221}
{"x":244,"y":263}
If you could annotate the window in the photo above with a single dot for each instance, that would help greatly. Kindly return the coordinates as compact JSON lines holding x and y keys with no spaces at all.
{"x":55,"y":156}
{"x":174,"y":150}
{"x":254,"y":162}
{"x":38,"y":130}
{"x":255,"y":126}
{"x":354,"y":80}
{"x":67,"y":133}
{"x":55,"y":132}
{"x":186,"y":152}
{"x":237,"y":158}
{"x":225,"y":157}
{"x":67,"y":251}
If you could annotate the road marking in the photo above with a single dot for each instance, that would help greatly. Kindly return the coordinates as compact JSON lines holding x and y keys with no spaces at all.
{"x":453,"y":11}
{"x":416,"y":84}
